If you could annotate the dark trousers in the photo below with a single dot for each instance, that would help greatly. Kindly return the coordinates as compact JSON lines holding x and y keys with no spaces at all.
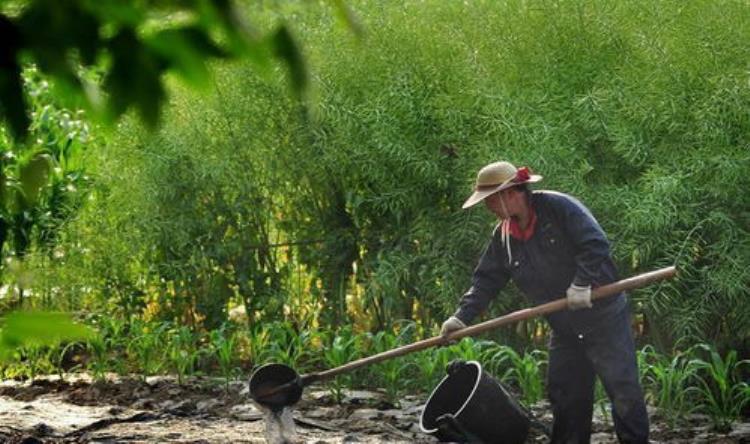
{"x":574,"y":361}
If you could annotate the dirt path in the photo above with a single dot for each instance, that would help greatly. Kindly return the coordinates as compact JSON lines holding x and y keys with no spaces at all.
{"x":158,"y":410}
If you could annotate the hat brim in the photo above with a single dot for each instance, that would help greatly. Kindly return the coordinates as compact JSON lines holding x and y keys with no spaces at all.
{"x":480,"y":195}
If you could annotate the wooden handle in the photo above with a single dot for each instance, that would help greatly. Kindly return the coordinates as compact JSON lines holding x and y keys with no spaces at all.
{"x":637,"y":281}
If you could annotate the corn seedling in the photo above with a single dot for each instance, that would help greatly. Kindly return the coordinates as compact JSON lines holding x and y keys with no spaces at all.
{"x":669,"y":382}
{"x":341,"y":350}
{"x":285,"y":345}
{"x":223,"y":345}
{"x":431,"y":367}
{"x":523,"y":371}
{"x":722,"y":393}
{"x":62,"y":354}
{"x":182,"y":352}
{"x":146,"y":348}
{"x":98,"y":362}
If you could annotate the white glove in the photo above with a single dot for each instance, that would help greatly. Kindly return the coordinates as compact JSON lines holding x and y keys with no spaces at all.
{"x":450,"y":325}
{"x":579,"y":297}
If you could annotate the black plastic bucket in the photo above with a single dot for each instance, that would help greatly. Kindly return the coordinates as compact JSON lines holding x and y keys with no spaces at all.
{"x":469,"y":405}
{"x":270,"y":376}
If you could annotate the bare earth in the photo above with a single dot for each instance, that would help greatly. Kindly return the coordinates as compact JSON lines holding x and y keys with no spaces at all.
{"x":158,"y":410}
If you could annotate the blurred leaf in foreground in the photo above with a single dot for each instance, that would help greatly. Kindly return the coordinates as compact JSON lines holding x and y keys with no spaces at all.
{"x":39,"y":328}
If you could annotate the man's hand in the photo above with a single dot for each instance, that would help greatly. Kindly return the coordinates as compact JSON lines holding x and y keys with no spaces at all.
{"x":450,"y":325}
{"x":579,"y":297}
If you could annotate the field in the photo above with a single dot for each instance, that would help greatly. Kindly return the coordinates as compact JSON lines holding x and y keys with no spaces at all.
{"x":190,"y":190}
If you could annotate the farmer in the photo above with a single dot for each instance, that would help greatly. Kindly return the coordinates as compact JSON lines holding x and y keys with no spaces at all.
{"x":550,"y":245}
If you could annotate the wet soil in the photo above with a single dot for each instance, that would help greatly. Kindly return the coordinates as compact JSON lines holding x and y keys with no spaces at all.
{"x":203,"y":410}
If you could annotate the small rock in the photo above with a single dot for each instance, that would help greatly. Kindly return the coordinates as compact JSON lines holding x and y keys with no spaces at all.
{"x":143,"y":404}
{"x":174,"y":391}
{"x":245,"y":412}
{"x":392,"y":413}
{"x":116,"y":410}
{"x":740,"y":430}
{"x":142,"y":391}
{"x":207,"y":404}
{"x":350,"y":438}
{"x":239,"y":387}
{"x":602,"y":437}
{"x":166,"y":405}
{"x":43,"y":429}
{"x":415,"y":428}
{"x":415,"y":409}
{"x":183,"y":407}
{"x":359,"y":396}
{"x":322,"y":412}
{"x":368,"y":414}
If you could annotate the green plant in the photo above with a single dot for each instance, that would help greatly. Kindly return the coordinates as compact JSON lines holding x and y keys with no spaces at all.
{"x":430,"y":367}
{"x":339,"y":352}
{"x":526,"y":372}
{"x":669,"y":382}
{"x":146,"y":346}
{"x":224,"y":347}
{"x":182,"y":351}
{"x":98,"y":361}
{"x":285,"y":344}
{"x":64,"y":352}
{"x":722,"y":393}
{"x":392,"y":374}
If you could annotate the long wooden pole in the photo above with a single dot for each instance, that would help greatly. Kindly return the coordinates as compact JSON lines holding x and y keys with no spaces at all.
{"x":637,"y":281}
{"x":631,"y":283}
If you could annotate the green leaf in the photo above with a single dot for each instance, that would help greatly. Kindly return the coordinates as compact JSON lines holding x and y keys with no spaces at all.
{"x":33,"y":176}
{"x":288,"y":50}
{"x":222,"y":13}
{"x":347,"y":15}
{"x":186,"y":49}
{"x":39,"y":328}
{"x":116,"y":12}
{"x":12,"y":106}
{"x":135,"y":78}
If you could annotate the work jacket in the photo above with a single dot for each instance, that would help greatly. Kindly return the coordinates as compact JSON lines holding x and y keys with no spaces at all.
{"x":567,"y":246}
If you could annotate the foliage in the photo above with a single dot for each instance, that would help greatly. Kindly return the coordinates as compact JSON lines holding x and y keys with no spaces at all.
{"x":38,"y":329}
{"x":131,"y":45}
{"x":41,"y":186}
{"x":669,"y":382}
{"x":349,"y":214}
{"x":146,"y":347}
{"x":319,"y":218}
{"x":223,"y":342}
{"x":341,"y":350}
{"x":722,"y":392}
{"x":524,"y":371}
{"x":182,"y":352}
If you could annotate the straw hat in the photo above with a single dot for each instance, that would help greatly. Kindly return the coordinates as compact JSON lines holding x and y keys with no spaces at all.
{"x":498,"y":176}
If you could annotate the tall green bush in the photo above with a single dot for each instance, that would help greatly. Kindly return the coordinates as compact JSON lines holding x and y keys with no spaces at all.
{"x":638,"y":108}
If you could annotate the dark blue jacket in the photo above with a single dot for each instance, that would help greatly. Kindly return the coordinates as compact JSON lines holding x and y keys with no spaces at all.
{"x":567,"y":245}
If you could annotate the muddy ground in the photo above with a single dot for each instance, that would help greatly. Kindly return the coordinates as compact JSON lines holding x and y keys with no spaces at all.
{"x":202,"y":410}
